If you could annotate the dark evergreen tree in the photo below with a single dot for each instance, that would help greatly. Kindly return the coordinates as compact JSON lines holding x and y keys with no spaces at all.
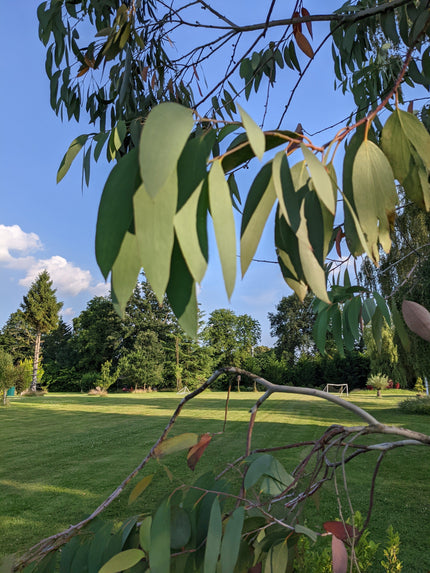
{"x":41,"y":312}
{"x":17,"y":337}
{"x":98,"y":335}
{"x":60,"y":358}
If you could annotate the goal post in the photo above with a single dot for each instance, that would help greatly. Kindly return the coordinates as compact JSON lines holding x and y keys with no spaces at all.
{"x":337,"y":388}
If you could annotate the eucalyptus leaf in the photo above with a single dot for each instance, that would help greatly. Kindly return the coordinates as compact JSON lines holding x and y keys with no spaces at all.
{"x":159,"y":550}
{"x":125,"y":271}
{"x":223,"y":221}
{"x":231,"y":540}
{"x":153,"y":218}
{"x":255,"y":135}
{"x":213,"y":540}
{"x":259,"y":203}
{"x":162,"y":140}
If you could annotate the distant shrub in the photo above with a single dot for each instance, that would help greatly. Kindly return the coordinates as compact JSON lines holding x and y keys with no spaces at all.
{"x":419,"y":386}
{"x":89,"y":380}
{"x":419,"y":405}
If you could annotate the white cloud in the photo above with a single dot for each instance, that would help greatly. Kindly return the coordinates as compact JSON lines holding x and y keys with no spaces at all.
{"x":67,"y":278}
{"x":13,"y":238}
{"x":101,"y":289}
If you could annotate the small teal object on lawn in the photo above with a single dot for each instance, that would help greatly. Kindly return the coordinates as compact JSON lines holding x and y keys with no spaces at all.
{"x":11,"y":391}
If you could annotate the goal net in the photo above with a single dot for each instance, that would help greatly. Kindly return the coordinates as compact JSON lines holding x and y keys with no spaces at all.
{"x":337,"y":388}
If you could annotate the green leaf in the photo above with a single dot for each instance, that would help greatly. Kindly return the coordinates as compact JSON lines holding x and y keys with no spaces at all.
{"x":353,"y":316}
{"x":181,"y":292}
{"x":185,"y":222}
{"x":255,"y":135}
{"x":153,"y":218}
{"x":319,"y":331}
{"x":277,"y":559}
{"x":159,"y":550}
{"x":285,"y":191}
{"x":368,"y":311}
{"x":377,"y":324}
{"x":125,"y":271}
{"x":406,"y":143}
{"x":116,"y":210}
{"x":400,"y":326}
{"x":336,"y":318}
{"x":122,"y":561}
{"x":163,"y":138}
{"x":276,"y":478}
{"x":176,"y":444}
{"x":145,"y":534}
{"x":382,"y":305}
{"x":100,"y":139}
{"x":74,"y":148}
{"x":352,"y":226}
{"x":244,"y":152}
{"x":306,"y":531}
{"x":375,"y":196}
{"x":223,"y":221}
{"x":321,"y":179}
{"x":313,"y":271}
{"x":259,"y":203}
{"x":139,"y":488}
{"x":213,"y":540}
{"x":231,"y":540}
{"x":180,"y":528}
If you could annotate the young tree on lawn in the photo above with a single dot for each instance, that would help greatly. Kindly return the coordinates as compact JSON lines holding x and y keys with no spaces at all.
{"x":6,"y":367}
{"x":41,"y":312}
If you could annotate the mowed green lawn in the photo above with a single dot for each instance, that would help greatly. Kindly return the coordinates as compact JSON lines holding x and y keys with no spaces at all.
{"x":62,"y":454}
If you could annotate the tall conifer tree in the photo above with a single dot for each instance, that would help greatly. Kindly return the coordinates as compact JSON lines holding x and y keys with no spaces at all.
{"x":40,"y":308}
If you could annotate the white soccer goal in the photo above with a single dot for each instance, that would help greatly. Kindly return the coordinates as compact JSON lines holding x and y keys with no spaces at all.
{"x":338,"y":388}
{"x":184,"y":390}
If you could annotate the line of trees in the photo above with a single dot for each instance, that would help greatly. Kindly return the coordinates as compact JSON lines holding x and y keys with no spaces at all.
{"x":147,"y":348}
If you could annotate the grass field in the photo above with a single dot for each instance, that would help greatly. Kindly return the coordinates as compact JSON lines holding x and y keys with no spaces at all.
{"x":62,"y":454}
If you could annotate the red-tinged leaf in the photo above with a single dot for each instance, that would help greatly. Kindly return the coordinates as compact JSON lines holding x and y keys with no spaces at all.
{"x":417,"y":318}
{"x":339,"y":556}
{"x":195,"y":72}
{"x":297,"y":27}
{"x":411,"y":106}
{"x":305,"y":13}
{"x":294,"y":145}
{"x":196,"y":452}
{"x":303,"y":44}
{"x":82,"y":71}
{"x":256,"y":569}
{"x":340,"y":530}
{"x":144,"y":73}
{"x":153,"y":80}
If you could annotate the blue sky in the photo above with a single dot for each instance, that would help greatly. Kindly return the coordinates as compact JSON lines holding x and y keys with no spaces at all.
{"x":45,"y":225}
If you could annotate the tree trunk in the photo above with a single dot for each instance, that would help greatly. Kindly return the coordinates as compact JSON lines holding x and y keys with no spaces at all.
{"x":238,"y":378}
{"x":36,"y":361}
{"x":378,"y":393}
{"x":4,"y":397}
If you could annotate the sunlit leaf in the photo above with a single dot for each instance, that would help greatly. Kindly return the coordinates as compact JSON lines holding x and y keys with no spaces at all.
{"x":375,"y":196}
{"x":125,"y":271}
{"x":139,"y":488}
{"x":321,"y":179}
{"x":176,"y":444}
{"x":186,"y":230}
{"x":259,"y":203}
{"x":122,"y":561}
{"x":163,"y":138}
{"x":153,"y":218}
{"x":223,"y":221}
{"x":285,"y":191}
{"x":255,"y":135}
{"x":74,"y":148}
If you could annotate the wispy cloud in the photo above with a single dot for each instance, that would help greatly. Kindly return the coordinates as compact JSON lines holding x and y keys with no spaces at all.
{"x":13,"y":238}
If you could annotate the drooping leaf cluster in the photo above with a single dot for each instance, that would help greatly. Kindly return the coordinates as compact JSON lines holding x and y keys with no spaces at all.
{"x":177,"y":172}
